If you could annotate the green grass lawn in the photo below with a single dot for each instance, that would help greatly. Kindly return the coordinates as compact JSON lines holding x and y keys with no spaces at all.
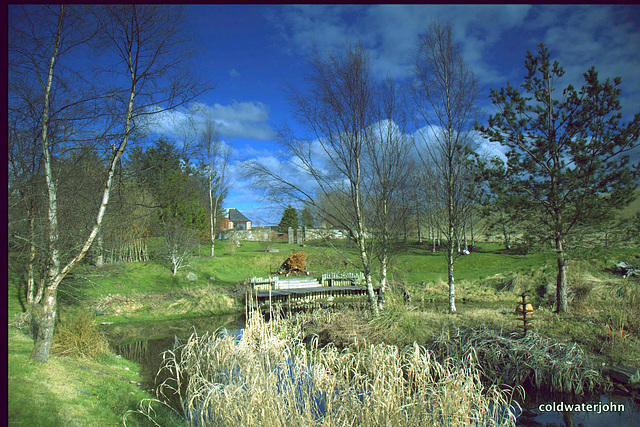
{"x":67,"y":391}
{"x":148,"y":291}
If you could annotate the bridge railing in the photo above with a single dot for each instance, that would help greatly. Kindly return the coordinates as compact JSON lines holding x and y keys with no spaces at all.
{"x":326,"y":280}
{"x":342,"y":279}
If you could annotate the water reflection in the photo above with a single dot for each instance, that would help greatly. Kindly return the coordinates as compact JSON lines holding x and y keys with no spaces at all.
{"x":601,"y":411}
{"x":144,"y":343}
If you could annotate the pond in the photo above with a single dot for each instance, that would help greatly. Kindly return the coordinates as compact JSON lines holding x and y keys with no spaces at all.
{"x":544,"y":410}
{"x":145,"y":342}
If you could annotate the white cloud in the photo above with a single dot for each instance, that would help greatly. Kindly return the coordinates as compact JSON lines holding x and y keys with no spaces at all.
{"x":237,"y":120}
{"x":606,"y":37}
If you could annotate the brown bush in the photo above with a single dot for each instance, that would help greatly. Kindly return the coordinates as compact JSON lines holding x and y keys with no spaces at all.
{"x":296,"y":261}
{"x":79,"y":336}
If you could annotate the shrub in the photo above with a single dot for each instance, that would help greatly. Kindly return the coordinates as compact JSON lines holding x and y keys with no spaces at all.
{"x":534,"y":360}
{"x":297,"y":261}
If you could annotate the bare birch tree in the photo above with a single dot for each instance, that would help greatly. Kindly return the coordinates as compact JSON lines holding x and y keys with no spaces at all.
{"x":216,"y":160}
{"x":445,"y":94}
{"x":146,"y":44}
{"x":179,"y":244}
{"x":386,"y":173}
{"x":337,"y":113}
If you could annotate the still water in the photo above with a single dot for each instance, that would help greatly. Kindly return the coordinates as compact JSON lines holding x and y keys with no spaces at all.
{"x":594,"y":411}
{"x":145,"y":343}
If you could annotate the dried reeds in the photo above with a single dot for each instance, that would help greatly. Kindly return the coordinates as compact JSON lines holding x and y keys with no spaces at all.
{"x":271,"y":378}
{"x":79,"y":336}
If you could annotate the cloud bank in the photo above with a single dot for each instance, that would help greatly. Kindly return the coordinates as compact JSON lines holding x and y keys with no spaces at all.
{"x":489,"y":35}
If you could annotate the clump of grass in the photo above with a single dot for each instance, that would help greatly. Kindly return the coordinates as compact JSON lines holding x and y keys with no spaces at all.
{"x":532,"y":360}
{"x":270,"y":377}
{"x":517,"y":283}
{"x":341,"y":328}
{"x":199,"y":300}
{"x":623,"y":315}
{"x":79,"y":336}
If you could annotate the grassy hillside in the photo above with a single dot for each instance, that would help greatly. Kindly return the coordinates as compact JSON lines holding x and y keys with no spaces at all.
{"x":633,"y":208}
{"x":144,"y":291}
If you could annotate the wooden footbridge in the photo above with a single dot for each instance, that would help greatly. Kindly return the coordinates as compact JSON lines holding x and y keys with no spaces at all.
{"x":299,"y":293}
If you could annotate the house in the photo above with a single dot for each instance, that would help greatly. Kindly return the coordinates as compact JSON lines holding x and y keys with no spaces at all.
{"x":235,"y":220}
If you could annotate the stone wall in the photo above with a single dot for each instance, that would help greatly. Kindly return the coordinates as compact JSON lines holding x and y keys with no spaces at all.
{"x":254,"y":234}
{"x":323,"y":233}
{"x":262,"y":234}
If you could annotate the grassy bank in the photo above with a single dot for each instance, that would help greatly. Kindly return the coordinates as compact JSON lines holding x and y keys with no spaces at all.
{"x":69,"y":391}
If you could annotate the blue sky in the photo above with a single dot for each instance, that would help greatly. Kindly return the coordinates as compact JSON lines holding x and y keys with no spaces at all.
{"x":252,"y":52}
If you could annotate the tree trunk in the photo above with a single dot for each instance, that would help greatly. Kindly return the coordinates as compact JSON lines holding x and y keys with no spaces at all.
{"x":44,"y":317}
{"x":43,"y":313}
{"x":433,"y":239}
{"x":505,"y":233}
{"x":99,"y":250}
{"x":383,"y":272}
{"x":212,"y":213}
{"x":32,"y":298}
{"x":452,"y":287}
{"x":561,"y":282}
{"x":452,"y":230}
{"x":384,"y":259}
{"x":373,"y":298}
{"x":356,"y":197}
{"x":43,"y":321}
{"x":473,"y":239}
{"x":464,"y":236}
{"x":418,"y":225}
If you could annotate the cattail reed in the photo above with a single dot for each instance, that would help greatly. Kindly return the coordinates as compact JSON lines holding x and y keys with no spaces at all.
{"x":270,"y":377}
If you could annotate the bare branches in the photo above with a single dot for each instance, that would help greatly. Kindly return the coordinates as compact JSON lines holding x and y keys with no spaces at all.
{"x":66,"y":112}
{"x":338,"y":113}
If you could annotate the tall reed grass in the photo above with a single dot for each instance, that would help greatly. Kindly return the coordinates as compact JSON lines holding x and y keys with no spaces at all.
{"x":269,"y":377}
{"x":533,"y":360}
{"x":79,"y":336}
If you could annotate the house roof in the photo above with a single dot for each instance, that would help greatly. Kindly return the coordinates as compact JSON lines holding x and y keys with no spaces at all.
{"x":236,"y":216}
